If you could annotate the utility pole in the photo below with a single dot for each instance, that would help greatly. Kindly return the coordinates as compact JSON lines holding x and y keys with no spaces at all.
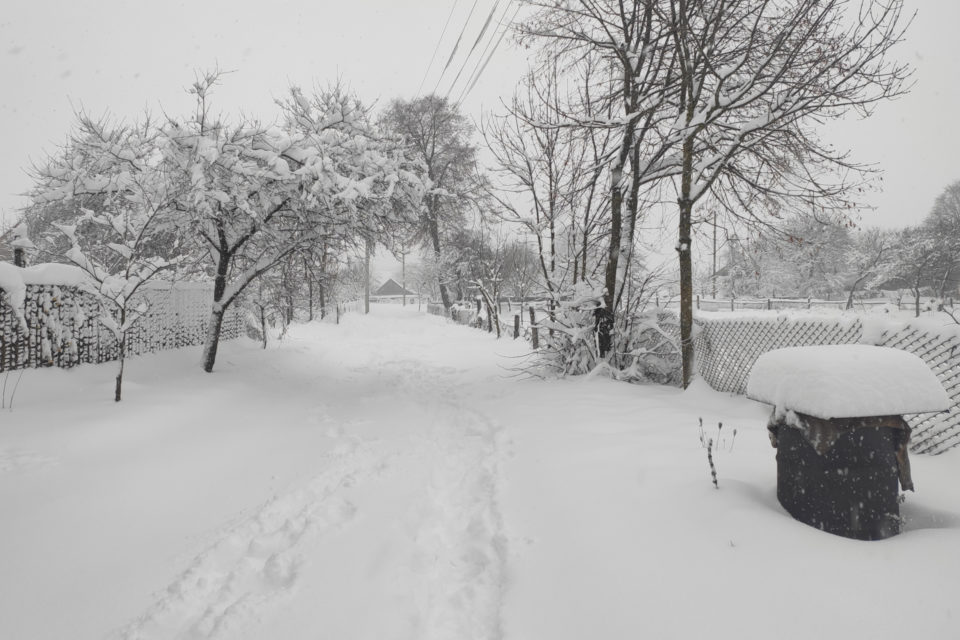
{"x":714,"y":276}
{"x":403,"y":271}
{"x":366,"y":276}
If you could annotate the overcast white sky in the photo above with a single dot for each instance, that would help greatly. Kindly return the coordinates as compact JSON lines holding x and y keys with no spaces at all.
{"x":122,"y":57}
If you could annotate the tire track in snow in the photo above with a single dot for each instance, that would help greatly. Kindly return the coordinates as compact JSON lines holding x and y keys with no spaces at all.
{"x":255,"y":564}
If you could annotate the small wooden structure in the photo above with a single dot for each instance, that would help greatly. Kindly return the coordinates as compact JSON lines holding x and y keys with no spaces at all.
{"x":838,"y":428}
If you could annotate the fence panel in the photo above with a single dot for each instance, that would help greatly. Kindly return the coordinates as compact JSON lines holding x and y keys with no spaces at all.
{"x":63,"y":326}
{"x":727,"y":349}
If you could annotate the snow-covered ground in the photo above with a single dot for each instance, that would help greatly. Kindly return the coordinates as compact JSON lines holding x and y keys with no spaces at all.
{"x":391,"y":477}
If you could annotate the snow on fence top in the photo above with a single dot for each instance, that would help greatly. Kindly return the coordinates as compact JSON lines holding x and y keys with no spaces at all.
{"x":846,"y":381}
{"x":55,"y":323}
{"x":726,"y":350}
{"x":14,"y":280}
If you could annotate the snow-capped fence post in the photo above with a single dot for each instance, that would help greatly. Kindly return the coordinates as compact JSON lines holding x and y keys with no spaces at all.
{"x":20,"y":244}
{"x":516,"y":326}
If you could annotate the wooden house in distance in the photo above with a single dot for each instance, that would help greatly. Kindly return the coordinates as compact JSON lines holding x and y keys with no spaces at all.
{"x":392,"y":292}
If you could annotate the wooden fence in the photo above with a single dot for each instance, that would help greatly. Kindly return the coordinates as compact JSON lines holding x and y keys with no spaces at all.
{"x":469,"y":316}
{"x":64,"y":329}
{"x":727,"y":349}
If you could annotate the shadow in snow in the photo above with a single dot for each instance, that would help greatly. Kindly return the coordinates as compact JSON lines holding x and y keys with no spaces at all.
{"x":916,"y":517}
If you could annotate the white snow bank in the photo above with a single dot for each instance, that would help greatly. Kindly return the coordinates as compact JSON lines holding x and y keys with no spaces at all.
{"x":12,"y":278}
{"x":55,"y":274}
{"x":846,"y":381}
{"x":14,"y":281}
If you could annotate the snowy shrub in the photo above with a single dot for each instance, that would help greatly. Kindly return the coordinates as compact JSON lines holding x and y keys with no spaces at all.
{"x":645,"y":347}
{"x":466,"y":313}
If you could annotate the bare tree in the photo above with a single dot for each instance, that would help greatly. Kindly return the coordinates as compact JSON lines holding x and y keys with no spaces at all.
{"x":625,"y":43}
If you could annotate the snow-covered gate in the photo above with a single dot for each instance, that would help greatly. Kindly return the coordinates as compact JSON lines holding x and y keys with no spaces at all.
{"x":63,"y":327}
{"x":727,"y":349}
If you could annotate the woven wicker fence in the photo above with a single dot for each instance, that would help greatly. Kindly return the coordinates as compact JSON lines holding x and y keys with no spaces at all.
{"x":727,"y":349}
{"x":64,"y":330}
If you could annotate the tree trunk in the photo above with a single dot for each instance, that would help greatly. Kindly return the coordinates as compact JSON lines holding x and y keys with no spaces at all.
{"x":444,"y":293}
{"x":216,"y":315}
{"x":213,"y":338}
{"x":263,"y":325}
{"x":434,"y":229}
{"x":118,"y":388}
{"x":309,"y":294}
{"x":605,"y":320}
{"x":603,"y":325}
{"x":684,"y":251}
{"x":366,"y":277}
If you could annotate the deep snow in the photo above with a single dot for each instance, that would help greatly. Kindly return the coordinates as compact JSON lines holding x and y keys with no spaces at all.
{"x":846,"y":381}
{"x":391,"y":477}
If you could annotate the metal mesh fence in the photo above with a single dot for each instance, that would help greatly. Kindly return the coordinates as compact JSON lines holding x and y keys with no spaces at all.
{"x":727,"y":349}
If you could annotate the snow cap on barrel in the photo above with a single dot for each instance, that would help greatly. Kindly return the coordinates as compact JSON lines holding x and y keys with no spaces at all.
{"x":846,"y":381}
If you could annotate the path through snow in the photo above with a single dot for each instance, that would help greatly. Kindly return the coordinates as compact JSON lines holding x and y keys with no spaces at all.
{"x":402,"y":519}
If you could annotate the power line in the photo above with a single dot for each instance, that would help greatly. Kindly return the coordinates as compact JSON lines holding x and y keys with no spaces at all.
{"x":455,"y":46}
{"x":483,"y":30}
{"x":493,"y":51}
{"x":437,"y":48}
{"x":476,"y":67}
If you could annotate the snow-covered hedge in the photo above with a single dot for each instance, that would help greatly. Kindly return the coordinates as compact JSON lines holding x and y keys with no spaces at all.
{"x":47,"y":318}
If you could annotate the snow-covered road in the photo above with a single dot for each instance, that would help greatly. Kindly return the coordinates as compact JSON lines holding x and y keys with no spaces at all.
{"x":392,"y":478}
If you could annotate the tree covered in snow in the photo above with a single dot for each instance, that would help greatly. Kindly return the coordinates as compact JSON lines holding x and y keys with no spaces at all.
{"x":255,"y":194}
{"x":942,"y":225}
{"x":810,"y":259}
{"x":870,"y":261}
{"x":129,"y":235}
{"x":438,"y":137}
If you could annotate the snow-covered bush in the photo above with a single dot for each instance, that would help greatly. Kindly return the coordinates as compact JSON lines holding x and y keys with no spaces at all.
{"x":645,"y":346}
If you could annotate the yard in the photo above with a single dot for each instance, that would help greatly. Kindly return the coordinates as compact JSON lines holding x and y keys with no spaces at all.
{"x":395,"y":477}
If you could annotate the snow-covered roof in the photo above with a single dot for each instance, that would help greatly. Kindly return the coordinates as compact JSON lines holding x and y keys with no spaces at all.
{"x":846,"y":381}
{"x":392,"y":288}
